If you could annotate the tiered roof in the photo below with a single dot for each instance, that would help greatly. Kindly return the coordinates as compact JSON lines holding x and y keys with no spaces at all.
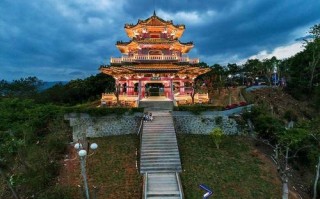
{"x":156,"y":34}
{"x":154,"y":23}
{"x":119,"y":71}
{"x":147,"y":32}
{"x":126,"y":47}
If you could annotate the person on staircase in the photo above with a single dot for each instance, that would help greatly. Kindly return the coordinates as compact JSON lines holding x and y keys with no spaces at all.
{"x":150,"y":117}
{"x":145,"y":117}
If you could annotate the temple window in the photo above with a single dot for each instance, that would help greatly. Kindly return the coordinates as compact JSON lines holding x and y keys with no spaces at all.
{"x":155,"y":52}
{"x":154,"y":35}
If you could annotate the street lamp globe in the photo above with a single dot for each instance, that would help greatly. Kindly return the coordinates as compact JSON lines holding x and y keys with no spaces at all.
{"x":82,"y":153}
{"x":78,"y":146}
{"x":93,"y":146}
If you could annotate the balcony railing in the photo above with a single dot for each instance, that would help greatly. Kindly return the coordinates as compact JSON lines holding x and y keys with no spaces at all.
{"x":137,"y":58}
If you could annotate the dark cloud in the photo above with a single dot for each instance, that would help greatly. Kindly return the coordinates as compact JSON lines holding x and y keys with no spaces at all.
{"x":67,"y":39}
{"x":308,"y":37}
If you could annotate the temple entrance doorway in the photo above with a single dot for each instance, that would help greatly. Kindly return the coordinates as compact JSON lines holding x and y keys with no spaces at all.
{"x":154,"y":89}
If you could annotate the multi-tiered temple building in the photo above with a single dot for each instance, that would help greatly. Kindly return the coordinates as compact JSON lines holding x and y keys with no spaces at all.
{"x":153,"y":63}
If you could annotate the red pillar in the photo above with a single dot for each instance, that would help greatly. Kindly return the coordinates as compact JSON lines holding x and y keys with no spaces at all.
{"x":181,"y":87}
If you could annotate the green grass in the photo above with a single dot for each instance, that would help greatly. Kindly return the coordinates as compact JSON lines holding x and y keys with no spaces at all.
{"x":231,"y":172}
{"x":113,"y":167}
{"x":234,"y":171}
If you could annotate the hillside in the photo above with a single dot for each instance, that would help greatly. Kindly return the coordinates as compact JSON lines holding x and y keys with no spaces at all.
{"x":274,"y":109}
{"x":280,"y":103}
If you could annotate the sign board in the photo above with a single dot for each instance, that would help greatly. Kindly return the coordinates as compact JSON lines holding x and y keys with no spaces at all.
{"x":155,"y":78}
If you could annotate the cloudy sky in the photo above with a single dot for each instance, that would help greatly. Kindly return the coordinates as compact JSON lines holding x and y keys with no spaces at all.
{"x":68,"y":39}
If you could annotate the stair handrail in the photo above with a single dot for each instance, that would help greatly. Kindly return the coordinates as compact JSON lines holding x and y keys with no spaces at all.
{"x":145,"y":186}
{"x":140,"y":127}
{"x":179,"y":185}
{"x":140,"y":140}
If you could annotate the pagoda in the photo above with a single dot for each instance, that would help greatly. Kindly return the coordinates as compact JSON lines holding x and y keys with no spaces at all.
{"x":154,"y":62}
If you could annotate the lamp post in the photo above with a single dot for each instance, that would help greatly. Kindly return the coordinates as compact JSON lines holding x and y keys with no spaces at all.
{"x":82,"y":155}
{"x":228,"y":87}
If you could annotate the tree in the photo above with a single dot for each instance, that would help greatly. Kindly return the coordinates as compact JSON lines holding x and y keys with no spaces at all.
{"x":23,"y":88}
{"x":79,"y":90}
{"x":197,"y":87}
{"x":233,"y":69}
{"x":314,"y":49}
{"x":253,"y":68}
{"x":268,"y":67}
{"x":8,"y":149}
{"x":287,"y":140}
{"x":117,"y":93}
{"x":214,"y":79}
{"x":4,"y":88}
{"x":314,"y":129}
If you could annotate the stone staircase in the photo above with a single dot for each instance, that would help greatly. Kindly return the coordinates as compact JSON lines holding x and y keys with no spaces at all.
{"x":159,"y":148}
{"x":162,"y":185}
{"x":160,"y":159}
{"x":156,"y":105}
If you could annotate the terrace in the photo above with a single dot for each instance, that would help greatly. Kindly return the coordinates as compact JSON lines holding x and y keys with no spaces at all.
{"x":145,"y":58}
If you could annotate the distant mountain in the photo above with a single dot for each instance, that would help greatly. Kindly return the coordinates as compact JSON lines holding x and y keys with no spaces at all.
{"x":47,"y":85}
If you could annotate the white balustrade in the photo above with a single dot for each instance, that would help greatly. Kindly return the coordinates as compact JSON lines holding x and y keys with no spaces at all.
{"x":153,"y":57}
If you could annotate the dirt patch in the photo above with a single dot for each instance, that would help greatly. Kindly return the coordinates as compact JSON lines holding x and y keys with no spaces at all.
{"x":222,"y":98}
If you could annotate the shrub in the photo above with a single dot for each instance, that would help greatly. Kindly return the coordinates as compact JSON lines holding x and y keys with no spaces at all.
{"x":104,"y":111}
{"x":217,"y":135}
{"x":242,"y":103}
{"x":197,"y":109}
{"x":268,"y":126}
{"x":289,"y":115}
{"x":231,"y":106}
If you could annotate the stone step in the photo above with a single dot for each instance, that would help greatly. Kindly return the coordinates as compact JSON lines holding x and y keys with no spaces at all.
{"x":160,"y":153}
{"x":171,"y":187}
{"x":160,"y":164}
{"x":159,"y":143}
{"x":164,"y":197}
{"x":170,"y":153}
{"x":159,"y":169}
{"x":160,"y":138}
{"x":150,"y":157}
{"x":173,"y":159}
{"x":168,"y":146}
{"x":152,"y":133}
{"x":160,"y":150}
{"x":158,"y":126}
{"x":159,"y":131}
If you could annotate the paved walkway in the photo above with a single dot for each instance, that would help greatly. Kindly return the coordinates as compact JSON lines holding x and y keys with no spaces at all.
{"x":160,"y":159}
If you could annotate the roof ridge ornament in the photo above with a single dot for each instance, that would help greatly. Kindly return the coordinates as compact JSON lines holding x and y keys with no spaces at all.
{"x":154,"y":13}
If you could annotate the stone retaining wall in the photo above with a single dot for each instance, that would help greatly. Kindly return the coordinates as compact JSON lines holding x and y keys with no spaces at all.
{"x":85,"y":125}
{"x":186,"y":122}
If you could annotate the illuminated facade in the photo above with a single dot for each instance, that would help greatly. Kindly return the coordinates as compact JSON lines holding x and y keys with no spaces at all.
{"x":154,"y":62}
